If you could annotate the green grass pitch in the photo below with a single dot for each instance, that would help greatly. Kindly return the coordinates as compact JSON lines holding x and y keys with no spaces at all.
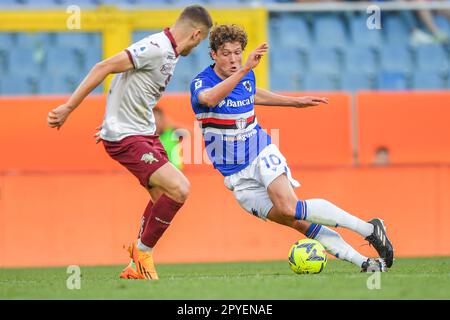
{"x":424,"y":278}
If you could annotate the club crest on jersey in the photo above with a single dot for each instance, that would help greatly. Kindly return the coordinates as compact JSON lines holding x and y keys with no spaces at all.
{"x":248,"y":85}
{"x":149,"y":158}
{"x":241,"y":123}
{"x":198,"y":84}
{"x":166,"y":69}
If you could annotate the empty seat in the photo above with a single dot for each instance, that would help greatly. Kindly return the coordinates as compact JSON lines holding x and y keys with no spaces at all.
{"x":34,"y":39}
{"x":354,"y":81}
{"x":432,"y":58}
{"x":89,"y":57}
{"x":362,"y":35}
{"x":319,"y":82}
{"x":330,"y":31}
{"x":179,"y":83}
{"x":360,"y":59}
{"x":323,"y":59}
{"x":78,"y":40}
{"x":442,"y":23}
{"x":6,"y":40}
{"x":83,"y":3}
{"x":395,"y":29}
{"x":428,"y":80}
{"x":42,"y":3}
{"x":25,"y":62}
{"x":17,"y":84}
{"x":391,"y":80}
{"x":285,"y":60}
{"x":282,"y":81}
{"x":4,"y":61}
{"x":149,"y":2}
{"x":62,"y":61}
{"x":396,"y":58}
{"x":53,"y":84}
{"x":9,"y":3}
{"x":292,"y":31}
{"x":185,"y":3}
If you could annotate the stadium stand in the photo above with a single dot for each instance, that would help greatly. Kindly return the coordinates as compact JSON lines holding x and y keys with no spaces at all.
{"x":335,"y":47}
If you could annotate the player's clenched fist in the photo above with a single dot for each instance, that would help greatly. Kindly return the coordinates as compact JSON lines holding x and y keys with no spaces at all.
{"x":57,"y":117}
{"x":256,"y":55}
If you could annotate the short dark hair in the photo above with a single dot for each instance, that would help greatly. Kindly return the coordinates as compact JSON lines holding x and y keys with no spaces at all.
{"x":197,"y":14}
{"x":225,"y":33}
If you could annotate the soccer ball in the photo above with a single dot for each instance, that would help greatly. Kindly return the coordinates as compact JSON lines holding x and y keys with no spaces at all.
{"x":307,"y":256}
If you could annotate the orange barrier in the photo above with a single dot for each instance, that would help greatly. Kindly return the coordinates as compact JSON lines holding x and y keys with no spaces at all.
{"x":64,"y":201}
{"x":86,"y":218}
{"x":307,"y":136}
{"x":412,"y":125}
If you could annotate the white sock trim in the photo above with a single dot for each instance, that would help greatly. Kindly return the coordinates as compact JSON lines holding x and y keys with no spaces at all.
{"x":143,"y":247}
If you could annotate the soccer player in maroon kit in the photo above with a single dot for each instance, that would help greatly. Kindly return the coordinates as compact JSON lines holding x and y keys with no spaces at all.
{"x":143,"y":71}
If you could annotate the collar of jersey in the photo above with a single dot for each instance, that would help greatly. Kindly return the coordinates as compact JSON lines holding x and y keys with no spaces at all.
{"x":215,"y":75}
{"x":172,"y":40}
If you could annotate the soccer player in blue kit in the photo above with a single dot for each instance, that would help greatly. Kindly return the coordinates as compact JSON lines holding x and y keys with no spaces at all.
{"x":223,"y":98}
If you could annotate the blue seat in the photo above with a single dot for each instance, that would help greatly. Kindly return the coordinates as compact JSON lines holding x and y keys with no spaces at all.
{"x":360,"y":59}
{"x":33,"y":40}
{"x":324,"y":60}
{"x":428,"y":80}
{"x":395,"y":58}
{"x":291,"y":31}
{"x":112,"y":2}
{"x":149,"y":2}
{"x":17,"y":84}
{"x":78,"y":40}
{"x":361,"y":35}
{"x":9,"y":3}
{"x":286,"y":60}
{"x":89,"y":57}
{"x":179,"y":83}
{"x":319,"y":82}
{"x":442,"y":23}
{"x":62,"y":61}
{"x":41,"y":3}
{"x":6,"y":40}
{"x":81,"y":3}
{"x":4,"y":60}
{"x":185,"y":3}
{"x":141,"y":34}
{"x":432,"y":58}
{"x":281,"y":81}
{"x":354,"y":81}
{"x":391,"y":80}
{"x":53,"y":84}
{"x":330,"y":31}
{"x":395,"y":29}
{"x":25,"y":62}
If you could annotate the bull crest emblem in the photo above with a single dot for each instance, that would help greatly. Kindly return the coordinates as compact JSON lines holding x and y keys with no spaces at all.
{"x":149,"y":158}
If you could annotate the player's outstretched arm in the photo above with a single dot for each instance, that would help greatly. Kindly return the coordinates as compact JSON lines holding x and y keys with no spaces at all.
{"x":212,"y":96}
{"x":116,"y":64}
{"x":267,"y":98}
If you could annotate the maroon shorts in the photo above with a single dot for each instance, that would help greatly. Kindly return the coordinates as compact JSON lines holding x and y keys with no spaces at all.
{"x":141,"y":155}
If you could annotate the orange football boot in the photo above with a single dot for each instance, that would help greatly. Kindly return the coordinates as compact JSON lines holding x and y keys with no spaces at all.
{"x":143,"y":261}
{"x":129,"y":272}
